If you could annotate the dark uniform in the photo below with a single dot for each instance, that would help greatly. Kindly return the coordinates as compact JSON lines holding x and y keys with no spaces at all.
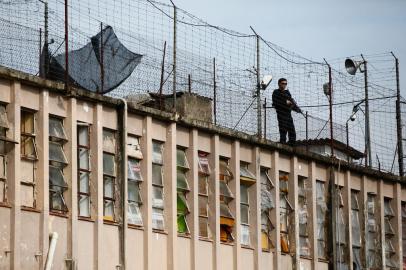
{"x":283,"y":112}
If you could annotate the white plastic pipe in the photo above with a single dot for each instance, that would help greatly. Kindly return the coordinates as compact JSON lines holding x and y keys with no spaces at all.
{"x":51,"y":251}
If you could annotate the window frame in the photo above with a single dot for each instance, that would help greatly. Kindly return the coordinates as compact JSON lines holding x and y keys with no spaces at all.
{"x":106,"y":175}
{"x":80,"y":170}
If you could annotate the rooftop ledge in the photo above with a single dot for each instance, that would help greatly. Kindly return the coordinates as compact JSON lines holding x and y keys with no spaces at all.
{"x":58,"y":87}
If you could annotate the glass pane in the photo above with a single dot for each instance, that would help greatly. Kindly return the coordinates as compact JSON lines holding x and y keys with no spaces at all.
{"x":245,"y":235}
{"x":2,"y":190}
{"x":108,"y":187}
{"x":134,"y":170}
{"x":84,"y":206}
{"x":267,"y":202}
{"x":354,"y":200}
{"x":109,"y":164}
{"x":181,"y":160}
{"x":3,"y":117}
{"x":225,"y":172}
{"x":283,"y":221}
{"x":244,"y":213}
{"x":27,"y":122}
{"x":244,"y":172}
{"x":265,"y":179}
{"x":321,"y":249}
{"x":28,"y":147}
{"x":158,"y":219}
{"x":203,"y":227}
{"x":84,"y":159}
{"x":371,"y":204}
{"x":157,"y":197}
{"x":2,"y":167}
{"x":203,"y":206}
{"x":109,"y":209}
{"x":56,"y":153}
{"x":203,"y":180}
{"x":225,"y":211}
{"x":134,"y":192}
{"x":57,"y":202}
{"x":283,"y":185}
{"x":84,"y":178}
{"x":224,"y":190}
{"x":157,"y":149}
{"x":304,"y":246}
{"x":181,"y":181}
{"x":134,"y":214}
{"x":133,"y":147}
{"x":244,"y":193}
{"x":83,"y":135}
{"x":355,"y":227}
{"x":56,"y":177}
{"x":182,"y":224}
{"x":157,"y":174}
{"x":388,"y":210}
{"x":56,"y":128}
{"x":182,"y":205}
{"x":204,"y":166}
{"x":109,"y":141}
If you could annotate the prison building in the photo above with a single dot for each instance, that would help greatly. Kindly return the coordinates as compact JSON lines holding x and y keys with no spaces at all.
{"x":92,"y":182}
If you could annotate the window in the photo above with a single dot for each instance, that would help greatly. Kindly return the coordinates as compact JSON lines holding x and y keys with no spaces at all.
{"x":267,"y":204}
{"x":304,"y":243}
{"x":321,"y":212}
{"x":109,"y":174}
{"x":84,"y":170}
{"x":226,"y":217}
{"x":204,"y":173}
{"x":341,"y":231}
{"x":134,"y":180}
{"x":57,"y":163}
{"x":390,"y":235}
{"x":28,"y":158}
{"x":4,"y":148}
{"x":355,"y":229}
{"x":158,"y":221}
{"x":371,"y":238}
{"x":247,"y":178}
{"x":182,"y":190}
{"x":285,"y":210}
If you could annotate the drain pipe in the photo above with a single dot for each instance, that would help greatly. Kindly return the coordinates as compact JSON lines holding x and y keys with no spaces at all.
{"x":51,"y":251}
{"x":122,"y":125}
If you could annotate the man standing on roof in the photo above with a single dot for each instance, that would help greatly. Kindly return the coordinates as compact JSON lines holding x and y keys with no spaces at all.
{"x":283,"y":103}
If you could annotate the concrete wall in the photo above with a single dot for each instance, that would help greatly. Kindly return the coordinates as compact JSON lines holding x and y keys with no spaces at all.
{"x":93,"y":243}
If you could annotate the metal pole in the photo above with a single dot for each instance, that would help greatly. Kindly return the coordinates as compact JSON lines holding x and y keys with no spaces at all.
{"x":40,"y":50}
{"x":367,"y":129}
{"x":265,"y":118}
{"x":258,"y":92}
{"x":66,"y":47}
{"x":348,"y":139}
{"x":101,"y":59}
{"x":46,"y":42}
{"x":399,"y":119}
{"x":215,"y":91}
{"x":174,"y":55}
{"x":161,"y":85}
{"x":189,"y":83}
{"x":307,"y":130}
{"x":330,"y":99}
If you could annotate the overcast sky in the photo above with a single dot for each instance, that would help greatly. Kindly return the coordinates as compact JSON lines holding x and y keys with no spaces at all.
{"x":316,"y":28}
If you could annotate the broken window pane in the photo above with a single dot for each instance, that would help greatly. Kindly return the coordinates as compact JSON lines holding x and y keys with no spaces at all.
{"x":225,"y":171}
{"x":204,"y":166}
{"x":83,"y":135}
{"x":109,"y":141}
{"x":225,"y":211}
{"x":267,"y":200}
{"x":57,"y":201}
{"x":157,"y":174}
{"x":133,"y":147}
{"x":157,"y":197}
{"x":56,"y":178}
{"x":84,"y":162}
{"x":203,"y":180}
{"x":134,"y":214}
{"x":56,"y":129}
{"x":203,"y":203}
{"x":3,"y":116}
{"x":157,"y":152}
{"x":56,"y":153}
{"x":27,"y":122}
{"x":182,"y":205}
{"x":203,"y":227}
{"x":354,"y":200}
{"x":265,"y":179}
{"x":84,"y":206}
{"x":108,"y":187}
{"x":225,"y":192}
{"x":28,"y":147}
{"x":304,"y":246}
{"x":108,"y":210}
{"x":388,"y":210}
{"x":283,"y":181}
{"x":245,"y":235}
{"x":158,"y":219}
{"x":181,"y":160}
{"x":181,"y":180}
{"x":134,"y":192}
{"x":356,"y":229}
{"x":245,"y":173}
{"x":109,"y":164}
{"x":388,"y":227}
{"x":134,"y":170}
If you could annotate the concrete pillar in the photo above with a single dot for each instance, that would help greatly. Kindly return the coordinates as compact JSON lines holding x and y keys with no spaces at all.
{"x":294,"y":217}
{"x":312,"y":207}
{"x":255,"y":208}
{"x":275,"y":215}
{"x":235,"y":204}
{"x":214,"y":199}
{"x":397,"y":221}
{"x":347,"y":212}
{"x":192,"y":156}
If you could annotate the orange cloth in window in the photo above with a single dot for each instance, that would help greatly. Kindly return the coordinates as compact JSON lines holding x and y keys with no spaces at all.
{"x":284,"y":245}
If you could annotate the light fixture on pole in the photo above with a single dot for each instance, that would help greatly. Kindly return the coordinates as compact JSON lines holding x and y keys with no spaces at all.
{"x":352,"y":118}
{"x":352,"y":66}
